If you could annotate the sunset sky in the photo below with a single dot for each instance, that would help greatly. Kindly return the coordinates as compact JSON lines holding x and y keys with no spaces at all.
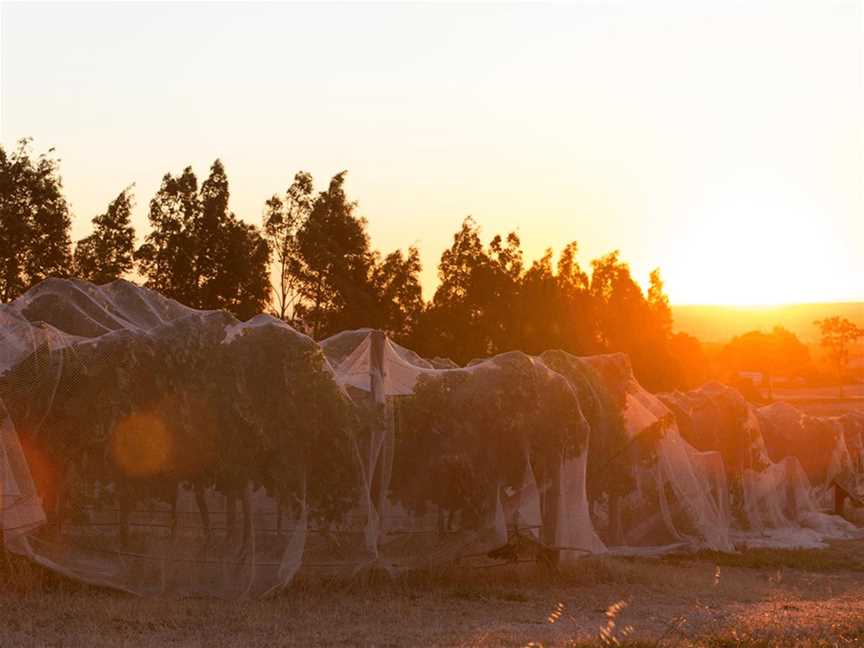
{"x":723,"y":142}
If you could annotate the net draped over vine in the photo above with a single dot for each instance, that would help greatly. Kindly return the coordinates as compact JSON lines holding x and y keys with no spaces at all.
{"x":772,"y":500}
{"x":155,"y":448}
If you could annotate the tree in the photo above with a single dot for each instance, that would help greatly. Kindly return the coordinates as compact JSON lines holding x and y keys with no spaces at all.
{"x":328,"y":277}
{"x":34,"y":220}
{"x":199,"y":252}
{"x":779,"y":352}
{"x":557,"y":311}
{"x":335,"y":265}
{"x":632,"y":323}
{"x":108,"y":253}
{"x":283,"y":218}
{"x":500,"y":287}
{"x":838,"y":334}
{"x":620,"y":301}
{"x":169,"y":253}
{"x":690,"y":361}
{"x":396,"y":280}
{"x":488,"y":302}
{"x":658,"y":302}
{"x":458,"y":323}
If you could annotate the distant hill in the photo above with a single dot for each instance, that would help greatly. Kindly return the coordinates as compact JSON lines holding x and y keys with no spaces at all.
{"x":720,"y":323}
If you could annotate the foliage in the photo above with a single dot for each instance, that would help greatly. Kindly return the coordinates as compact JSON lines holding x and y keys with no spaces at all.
{"x":557,"y":309}
{"x":715,"y":417}
{"x":813,"y":440}
{"x":328,"y":277}
{"x":779,"y":352}
{"x":691,"y":362}
{"x":107,"y":254}
{"x":148,"y":412}
{"x":838,"y":334}
{"x":331,"y":277}
{"x":34,"y":220}
{"x":602,"y":403}
{"x":283,"y":218}
{"x":201,"y":254}
{"x":465,"y":433}
{"x":629,"y":322}
{"x":336,"y":262}
{"x":488,"y":302}
{"x":456,"y":320}
{"x":281,"y":391}
{"x":396,"y":281}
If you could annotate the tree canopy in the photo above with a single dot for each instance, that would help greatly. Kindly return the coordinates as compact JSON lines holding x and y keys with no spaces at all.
{"x":327,"y":277}
{"x":108,"y":253}
{"x":778,"y":353}
{"x":34,"y":220}
{"x":200,"y":253}
{"x":838,"y":335}
{"x":283,"y":217}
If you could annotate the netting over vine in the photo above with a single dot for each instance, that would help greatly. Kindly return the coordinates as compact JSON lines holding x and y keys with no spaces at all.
{"x":154,"y":448}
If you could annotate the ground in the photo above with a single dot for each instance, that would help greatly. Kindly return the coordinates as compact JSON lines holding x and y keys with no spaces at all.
{"x":823,"y":401}
{"x":761,"y":598}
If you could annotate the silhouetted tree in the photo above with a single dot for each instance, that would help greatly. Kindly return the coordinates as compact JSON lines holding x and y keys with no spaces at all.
{"x":283,"y":218}
{"x":838,"y":334}
{"x":501,"y":287}
{"x":108,"y":252}
{"x":335,"y":265}
{"x":34,"y":220}
{"x":659,"y":304}
{"x":619,"y":299}
{"x":169,"y":255}
{"x":691,"y":363}
{"x":200,"y":253}
{"x":779,"y":352}
{"x":396,"y":280}
{"x":457,"y":323}
{"x":557,"y":309}
{"x":630,"y":322}
{"x":541,"y":304}
{"x":487,"y":303}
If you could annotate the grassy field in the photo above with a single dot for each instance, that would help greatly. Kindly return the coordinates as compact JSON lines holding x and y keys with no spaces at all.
{"x":761,"y":598}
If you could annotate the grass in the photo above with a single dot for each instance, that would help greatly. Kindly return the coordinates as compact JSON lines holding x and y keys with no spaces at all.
{"x":763,"y":598}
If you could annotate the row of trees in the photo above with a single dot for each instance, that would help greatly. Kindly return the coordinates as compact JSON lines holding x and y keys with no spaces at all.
{"x":329,"y":278}
{"x":779,"y":353}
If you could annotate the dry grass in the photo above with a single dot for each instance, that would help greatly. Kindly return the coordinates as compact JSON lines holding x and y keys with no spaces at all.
{"x":760,"y":598}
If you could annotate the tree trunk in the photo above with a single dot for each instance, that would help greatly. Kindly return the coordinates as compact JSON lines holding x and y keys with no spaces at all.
{"x":549,"y":555}
{"x":174,"y":512}
{"x":125,"y":504}
{"x":246,"y":503}
{"x":201,"y":501}
{"x":614,"y":520}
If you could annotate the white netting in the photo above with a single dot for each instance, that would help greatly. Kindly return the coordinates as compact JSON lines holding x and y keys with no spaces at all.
{"x":771,"y":503}
{"x":155,"y":448}
{"x":497,"y":450}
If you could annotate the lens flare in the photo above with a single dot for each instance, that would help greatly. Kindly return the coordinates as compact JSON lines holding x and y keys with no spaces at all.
{"x":142,"y":445}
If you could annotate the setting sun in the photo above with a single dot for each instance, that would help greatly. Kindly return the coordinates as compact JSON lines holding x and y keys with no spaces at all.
{"x":762,"y":243}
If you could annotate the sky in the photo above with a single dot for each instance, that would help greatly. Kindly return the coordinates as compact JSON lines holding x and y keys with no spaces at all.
{"x":720,"y":141}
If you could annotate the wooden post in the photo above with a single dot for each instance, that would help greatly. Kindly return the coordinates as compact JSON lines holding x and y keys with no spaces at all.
{"x":549,"y":554}
{"x":840,"y":495}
